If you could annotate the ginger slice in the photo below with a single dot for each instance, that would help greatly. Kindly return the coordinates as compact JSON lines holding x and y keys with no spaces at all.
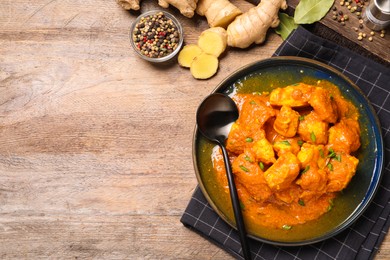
{"x":187,"y":55}
{"x":219,"y":13}
{"x":204,"y":66}
{"x":213,"y":41}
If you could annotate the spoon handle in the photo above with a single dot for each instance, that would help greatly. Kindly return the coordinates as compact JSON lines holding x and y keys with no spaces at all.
{"x":236,"y":206}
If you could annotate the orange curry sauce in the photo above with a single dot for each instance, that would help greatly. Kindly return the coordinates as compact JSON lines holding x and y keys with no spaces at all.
{"x":291,"y":152}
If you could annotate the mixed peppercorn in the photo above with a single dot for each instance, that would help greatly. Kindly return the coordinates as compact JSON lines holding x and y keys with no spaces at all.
{"x":156,"y":35}
{"x":355,"y":7}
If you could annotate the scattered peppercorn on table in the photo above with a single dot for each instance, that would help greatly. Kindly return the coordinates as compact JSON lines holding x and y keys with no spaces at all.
{"x":96,"y":143}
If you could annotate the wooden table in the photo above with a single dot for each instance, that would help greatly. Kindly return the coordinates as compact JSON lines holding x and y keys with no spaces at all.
{"x":95,"y":143}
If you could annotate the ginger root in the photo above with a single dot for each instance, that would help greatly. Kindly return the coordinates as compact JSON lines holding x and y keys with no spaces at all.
{"x":213,"y":41}
{"x":204,"y":66}
{"x":202,"y":59}
{"x":187,"y":55}
{"x":129,"y":4}
{"x":219,"y":13}
{"x":251,"y":27}
{"x":186,"y":7}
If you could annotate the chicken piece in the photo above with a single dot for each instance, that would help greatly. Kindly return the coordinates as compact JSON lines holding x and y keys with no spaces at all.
{"x":255,"y":112}
{"x":286,"y":145}
{"x":324,"y":105}
{"x":345,"y":136}
{"x":340,"y":172}
{"x":346,"y":108}
{"x":248,"y":173}
{"x":313,"y":182}
{"x":296,"y":95}
{"x":264,"y":151}
{"x":311,"y":129}
{"x":235,"y":142}
{"x":313,"y":178}
{"x":283,"y":172}
{"x":289,"y":195}
{"x":241,"y":137}
{"x":312,"y":153}
{"x":286,"y":122}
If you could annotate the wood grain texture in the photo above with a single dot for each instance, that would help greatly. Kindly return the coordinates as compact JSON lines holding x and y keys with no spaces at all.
{"x":95,"y":143}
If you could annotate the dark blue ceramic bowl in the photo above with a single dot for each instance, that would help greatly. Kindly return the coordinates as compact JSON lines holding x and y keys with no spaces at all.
{"x":352,"y":202}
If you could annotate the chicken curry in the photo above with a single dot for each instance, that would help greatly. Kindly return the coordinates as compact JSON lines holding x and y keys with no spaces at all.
{"x":291,"y":152}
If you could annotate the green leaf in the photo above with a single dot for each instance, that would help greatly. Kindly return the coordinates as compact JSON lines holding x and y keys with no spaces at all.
{"x":301,"y":202}
{"x":286,"y":25}
{"x":310,"y":11}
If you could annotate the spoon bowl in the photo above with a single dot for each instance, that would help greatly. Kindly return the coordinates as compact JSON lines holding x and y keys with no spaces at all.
{"x":214,"y":118}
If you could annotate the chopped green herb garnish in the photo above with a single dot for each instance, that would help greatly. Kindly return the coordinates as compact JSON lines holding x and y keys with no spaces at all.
{"x":249,"y":140}
{"x":285,"y":142}
{"x":301,"y":118}
{"x":300,"y":142}
{"x":313,"y":137}
{"x":286,"y":227}
{"x":301,"y":202}
{"x":338,"y":157}
{"x":330,"y":205}
{"x":261,"y":165}
{"x":332,"y":153}
{"x":252,"y":102}
{"x":247,"y":158}
{"x":244,"y":168}
{"x":330,"y":166}
{"x":242,"y":205}
{"x":306,"y":169}
{"x":322,"y":153}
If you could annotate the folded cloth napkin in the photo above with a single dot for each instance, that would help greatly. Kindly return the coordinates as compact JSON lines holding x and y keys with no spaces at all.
{"x":362,"y":239}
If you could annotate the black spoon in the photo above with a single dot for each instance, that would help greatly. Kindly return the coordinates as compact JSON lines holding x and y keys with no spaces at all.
{"x":214,"y":118}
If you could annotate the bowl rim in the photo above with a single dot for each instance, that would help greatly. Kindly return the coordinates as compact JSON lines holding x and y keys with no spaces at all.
{"x":175,"y":21}
{"x":377,"y":171}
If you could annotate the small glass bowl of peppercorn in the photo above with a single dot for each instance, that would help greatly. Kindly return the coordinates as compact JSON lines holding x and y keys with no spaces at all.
{"x":156,"y":36}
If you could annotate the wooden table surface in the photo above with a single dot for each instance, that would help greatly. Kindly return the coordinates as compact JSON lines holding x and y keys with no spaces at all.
{"x":95,"y":143}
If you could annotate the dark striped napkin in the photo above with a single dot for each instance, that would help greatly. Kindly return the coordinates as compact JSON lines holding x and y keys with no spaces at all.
{"x":362,"y":239}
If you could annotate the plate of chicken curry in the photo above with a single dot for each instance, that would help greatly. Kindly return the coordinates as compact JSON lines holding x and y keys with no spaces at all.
{"x":306,"y":152}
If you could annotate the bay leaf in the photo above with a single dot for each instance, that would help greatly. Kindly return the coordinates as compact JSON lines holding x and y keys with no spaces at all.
{"x":286,"y":25}
{"x":310,"y":11}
